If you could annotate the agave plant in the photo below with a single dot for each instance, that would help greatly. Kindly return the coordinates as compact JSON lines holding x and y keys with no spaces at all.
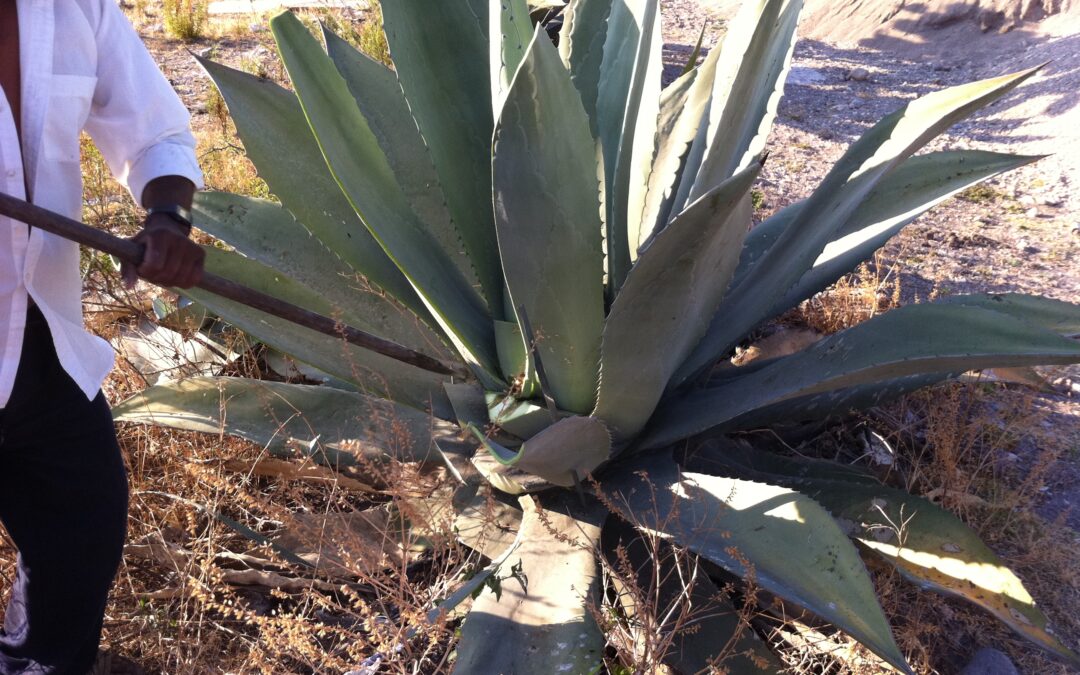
{"x":581,"y":242}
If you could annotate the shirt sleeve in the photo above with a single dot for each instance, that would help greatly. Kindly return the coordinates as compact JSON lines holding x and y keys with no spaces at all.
{"x":136,"y":119}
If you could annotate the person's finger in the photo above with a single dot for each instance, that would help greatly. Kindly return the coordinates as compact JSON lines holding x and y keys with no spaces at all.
{"x":129,"y":275}
{"x":192,"y":268}
{"x":154,"y":257}
{"x":172,"y":270}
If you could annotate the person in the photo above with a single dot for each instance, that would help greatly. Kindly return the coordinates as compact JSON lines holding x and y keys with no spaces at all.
{"x":66,"y":67}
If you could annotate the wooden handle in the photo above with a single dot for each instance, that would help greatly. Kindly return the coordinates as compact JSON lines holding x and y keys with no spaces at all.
{"x":132,"y":252}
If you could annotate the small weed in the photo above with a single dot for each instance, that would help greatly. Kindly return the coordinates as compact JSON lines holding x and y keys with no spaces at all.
{"x":185,"y":19}
{"x":757,"y":199}
{"x":216,"y":108}
{"x":981,"y":194}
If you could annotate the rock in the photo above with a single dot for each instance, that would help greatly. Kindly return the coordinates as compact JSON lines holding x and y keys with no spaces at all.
{"x":989,"y":19}
{"x":990,"y":661}
{"x":1051,"y":200}
{"x":1027,"y":200}
{"x":204,"y":53}
{"x":804,"y":76}
{"x":858,"y":74}
{"x":1032,"y":212}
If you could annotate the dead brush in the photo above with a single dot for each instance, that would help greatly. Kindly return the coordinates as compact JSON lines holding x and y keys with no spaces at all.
{"x":984,"y":452}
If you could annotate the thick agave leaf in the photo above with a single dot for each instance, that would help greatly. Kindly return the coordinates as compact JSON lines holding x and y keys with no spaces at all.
{"x":562,"y":454}
{"x":683,"y":113}
{"x":928,"y":545}
{"x":468,"y":403}
{"x":917,"y":185}
{"x":876,"y":154}
{"x":548,"y":218}
{"x":912,"y":340}
{"x":627,"y":108}
{"x":267,"y":233}
{"x":663,"y":308}
{"x":540,"y":622}
{"x":754,"y":63}
{"x":776,"y":538}
{"x":1055,"y":316}
{"x":332,"y":426}
{"x":509,"y":19}
{"x":372,"y":373}
{"x":361,"y":168}
{"x":488,"y":525}
{"x":440,"y":52}
{"x":581,"y":45}
{"x":378,"y":95}
{"x":714,"y":634}
{"x":837,"y":402}
{"x":279,"y":142}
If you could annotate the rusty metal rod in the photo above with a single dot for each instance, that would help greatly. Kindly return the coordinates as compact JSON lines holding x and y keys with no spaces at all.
{"x":132,"y":252}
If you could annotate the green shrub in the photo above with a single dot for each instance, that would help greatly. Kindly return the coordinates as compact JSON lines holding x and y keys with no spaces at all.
{"x":185,"y":19}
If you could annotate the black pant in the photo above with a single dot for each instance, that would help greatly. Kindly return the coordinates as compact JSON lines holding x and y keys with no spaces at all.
{"x":63,"y":500}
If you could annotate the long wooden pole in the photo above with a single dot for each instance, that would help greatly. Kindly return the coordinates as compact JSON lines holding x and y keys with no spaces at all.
{"x":132,"y":252}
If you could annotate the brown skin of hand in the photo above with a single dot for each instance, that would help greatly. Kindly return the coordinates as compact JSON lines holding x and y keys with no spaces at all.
{"x":170,"y":259}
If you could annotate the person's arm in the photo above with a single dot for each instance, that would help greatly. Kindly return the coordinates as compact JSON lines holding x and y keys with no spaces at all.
{"x":142,"y":130}
{"x":171,"y":259}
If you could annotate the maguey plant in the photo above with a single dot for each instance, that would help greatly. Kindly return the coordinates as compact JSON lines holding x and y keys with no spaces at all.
{"x":580,"y":242}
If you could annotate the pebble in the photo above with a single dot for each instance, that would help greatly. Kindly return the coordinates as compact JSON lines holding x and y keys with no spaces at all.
{"x":990,"y":661}
{"x":1032,"y":212}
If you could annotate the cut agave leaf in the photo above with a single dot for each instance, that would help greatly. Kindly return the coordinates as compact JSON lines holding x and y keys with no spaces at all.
{"x":711,"y":635}
{"x":663,"y":308}
{"x":912,"y":340}
{"x":563,"y":454}
{"x":539,"y":621}
{"x":548,"y":218}
{"x":768,"y":534}
{"x":876,"y":154}
{"x":928,"y":545}
{"x":330,"y":425}
{"x":371,"y":372}
{"x":278,"y":140}
{"x":523,"y":419}
{"x":378,"y":95}
{"x":440,"y":52}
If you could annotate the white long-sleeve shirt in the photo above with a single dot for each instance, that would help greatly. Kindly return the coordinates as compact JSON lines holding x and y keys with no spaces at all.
{"x":82,"y":67}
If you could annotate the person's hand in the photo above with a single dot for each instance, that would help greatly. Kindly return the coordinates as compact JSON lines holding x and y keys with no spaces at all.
{"x":171,"y":259}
